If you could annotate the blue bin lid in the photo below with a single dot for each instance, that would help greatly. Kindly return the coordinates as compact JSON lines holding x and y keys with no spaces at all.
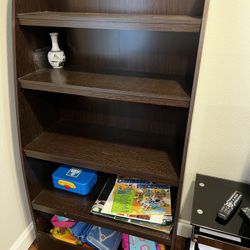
{"x":72,"y":173}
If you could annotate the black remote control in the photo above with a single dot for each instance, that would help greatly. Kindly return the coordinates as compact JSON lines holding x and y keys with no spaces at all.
{"x":230,"y":205}
{"x":246,"y":212}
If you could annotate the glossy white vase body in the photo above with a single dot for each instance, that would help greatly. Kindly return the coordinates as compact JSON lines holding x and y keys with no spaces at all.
{"x":56,"y":56}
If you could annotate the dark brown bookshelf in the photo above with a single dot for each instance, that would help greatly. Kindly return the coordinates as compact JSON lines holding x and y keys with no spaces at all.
{"x":122,"y":104}
{"x":175,"y":23}
{"x":77,"y":207}
{"x":74,"y":144}
{"x":115,"y":87}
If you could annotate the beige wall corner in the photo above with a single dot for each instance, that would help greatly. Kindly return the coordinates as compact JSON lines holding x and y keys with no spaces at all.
{"x":15,"y":218}
{"x":220,"y":140}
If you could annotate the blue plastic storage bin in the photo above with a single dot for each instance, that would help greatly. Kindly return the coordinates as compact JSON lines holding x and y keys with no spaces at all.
{"x":75,"y":180}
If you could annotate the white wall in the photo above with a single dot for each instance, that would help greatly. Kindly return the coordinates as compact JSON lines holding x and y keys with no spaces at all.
{"x":220,"y":136}
{"x":14,"y":213}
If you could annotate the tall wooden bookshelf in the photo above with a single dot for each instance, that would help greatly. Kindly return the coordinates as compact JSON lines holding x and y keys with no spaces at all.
{"x":121,"y":105}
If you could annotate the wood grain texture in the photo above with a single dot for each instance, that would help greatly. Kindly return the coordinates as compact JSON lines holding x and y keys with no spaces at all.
{"x":115,"y":87}
{"x":29,"y":6}
{"x":104,"y":48}
{"x":79,"y":145}
{"x":166,"y":53}
{"x":189,"y":121}
{"x":35,"y":118}
{"x":158,"y":125}
{"x":37,"y":173}
{"x":111,"y":21}
{"x":78,"y":207}
{"x":164,"y":7}
{"x":117,"y":51}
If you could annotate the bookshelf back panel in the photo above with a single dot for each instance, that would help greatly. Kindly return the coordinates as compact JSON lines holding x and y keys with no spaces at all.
{"x":167,"y":53}
{"x":38,"y":174}
{"x":43,"y":221}
{"x":130,"y":124}
{"x":150,"y":119}
{"x":169,"y":7}
{"x":37,"y":112}
{"x":164,"y":53}
{"x":48,"y":108}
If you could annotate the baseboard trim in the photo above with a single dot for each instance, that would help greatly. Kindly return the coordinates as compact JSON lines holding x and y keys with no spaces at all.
{"x":25,"y":240}
{"x":184,"y":228}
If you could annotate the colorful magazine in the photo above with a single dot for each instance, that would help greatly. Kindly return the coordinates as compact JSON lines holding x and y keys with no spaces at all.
{"x":156,"y":222}
{"x":138,"y":198}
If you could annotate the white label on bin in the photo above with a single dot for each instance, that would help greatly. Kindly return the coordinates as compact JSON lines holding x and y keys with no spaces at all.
{"x":74,"y":172}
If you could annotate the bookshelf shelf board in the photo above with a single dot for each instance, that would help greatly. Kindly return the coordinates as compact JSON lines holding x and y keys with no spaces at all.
{"x":77,"y":207}
{"x":174,"y":23}
{"x":74,"y":144}
{"x":116,"y":87}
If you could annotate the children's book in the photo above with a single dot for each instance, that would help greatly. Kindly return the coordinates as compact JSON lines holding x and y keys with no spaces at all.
{"x":156,"y":222}
{"x":132,"y":197}
{"x":143,"y":244}
{"x":136,"y":243}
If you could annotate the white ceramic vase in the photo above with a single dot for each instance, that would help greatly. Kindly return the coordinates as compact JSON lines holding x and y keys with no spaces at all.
{"x":56,"y":56}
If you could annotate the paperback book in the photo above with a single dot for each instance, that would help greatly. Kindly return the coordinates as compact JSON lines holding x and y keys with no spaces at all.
{"x":161,"y":223}
{"x":138,"y":198}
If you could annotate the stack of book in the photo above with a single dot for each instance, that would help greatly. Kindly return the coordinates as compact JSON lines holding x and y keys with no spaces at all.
{"x":137,"y":202}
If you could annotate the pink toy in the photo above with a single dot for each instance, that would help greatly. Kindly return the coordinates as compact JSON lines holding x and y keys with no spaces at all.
{"x":60,"y":221}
